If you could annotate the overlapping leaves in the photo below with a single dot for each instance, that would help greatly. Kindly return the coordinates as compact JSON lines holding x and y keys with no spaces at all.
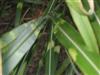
{"x":81,"y":55}
{"x":17,"y":43}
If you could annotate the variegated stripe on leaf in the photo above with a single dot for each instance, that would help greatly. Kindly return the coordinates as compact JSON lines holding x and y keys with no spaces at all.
{"x":18,"y":47}
{"x":84,"y":58}
{"x":9,"y":37}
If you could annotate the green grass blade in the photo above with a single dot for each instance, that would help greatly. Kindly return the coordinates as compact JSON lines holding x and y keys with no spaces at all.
{"x":63,"y":67}
{"x":18,"y":12}
{"x":81,"y":56}
{"x":11,"y":61}
{"x":96,"y":27}
{"x":19,"y":47}
{"x":89,"y":62}
{"x":23,"y":65}
{"x":51,"y":59}
{"x":15,"y":44}
{"x":11,"y":36}
{"x":69,"y":71}
{"x":22,"y":69}
{"x":50,"y":7}
{"x":1,"y":63}
{"x":85,"y":29}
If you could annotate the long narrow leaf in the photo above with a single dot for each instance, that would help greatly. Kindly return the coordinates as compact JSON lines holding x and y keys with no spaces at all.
{"x":85,"y":29}
{"x":81,"y":56}
{"x":8,"y":37}
{"x":96,"y":27}
{"x":19,"y":48}
{"x":51,"y":59}
{"x":63,"y":67}
{"x":1,"y":63}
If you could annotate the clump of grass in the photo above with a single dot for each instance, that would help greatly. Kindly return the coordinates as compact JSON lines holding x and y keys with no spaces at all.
{"x":72,"y":32}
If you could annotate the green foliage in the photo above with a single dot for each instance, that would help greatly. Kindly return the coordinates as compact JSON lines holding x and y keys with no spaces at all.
{"x":18,"y":49}
{"x":77,"y":35}
{"x":78,"y":51}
